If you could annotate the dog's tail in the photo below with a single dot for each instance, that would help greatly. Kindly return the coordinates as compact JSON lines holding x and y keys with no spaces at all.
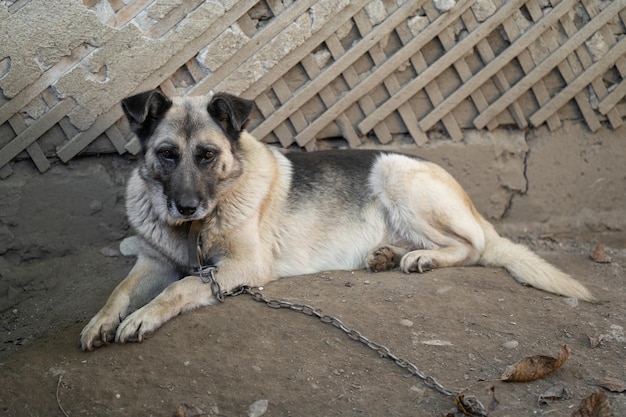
{"x":528,"y":268}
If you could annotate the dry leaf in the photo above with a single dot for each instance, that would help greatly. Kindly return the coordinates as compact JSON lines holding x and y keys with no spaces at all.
{"x":535,"y":367}
{"x":470,"y":406}
{"x":594,"y":342}
{"x":595,"y":405}
{"x":612,"y":384}
{"x":599,"y":255}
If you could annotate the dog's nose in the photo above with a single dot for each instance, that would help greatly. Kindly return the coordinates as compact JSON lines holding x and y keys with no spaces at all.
{"x":186,"y":209}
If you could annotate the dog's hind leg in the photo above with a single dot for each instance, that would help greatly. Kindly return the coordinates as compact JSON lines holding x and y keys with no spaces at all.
{"x":428,"y":208}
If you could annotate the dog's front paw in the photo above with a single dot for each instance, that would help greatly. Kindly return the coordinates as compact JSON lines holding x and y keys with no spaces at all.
{"x":138,"y":325}
{"x":99,"y":331}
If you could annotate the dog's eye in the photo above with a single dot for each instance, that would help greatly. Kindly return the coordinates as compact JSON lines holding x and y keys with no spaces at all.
{"x":208,"y":155}
{"x":167,"y":154}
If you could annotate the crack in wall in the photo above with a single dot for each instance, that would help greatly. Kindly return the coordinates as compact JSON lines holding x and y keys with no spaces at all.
{"x":516,"y":192}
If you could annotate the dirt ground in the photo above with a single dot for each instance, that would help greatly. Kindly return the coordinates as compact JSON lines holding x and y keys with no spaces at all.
{"x":462,"y":326}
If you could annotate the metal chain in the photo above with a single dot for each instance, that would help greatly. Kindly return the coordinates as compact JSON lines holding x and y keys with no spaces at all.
{"x":207,"y":275}
{"x":469,"y":405}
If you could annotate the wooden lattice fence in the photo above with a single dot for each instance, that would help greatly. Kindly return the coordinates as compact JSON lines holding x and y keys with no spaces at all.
{"x":372,"y":69}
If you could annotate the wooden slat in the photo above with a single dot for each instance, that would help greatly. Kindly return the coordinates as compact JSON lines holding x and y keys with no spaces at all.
{"x":173,"y":18}
{"x":116,"y":138}
{"x":33,"y":132}
{"x":125,"y":14}
{"x":551,"y":61}
{"x":33,"y":150}
{"x":613,"y":98}
{"x":17,"y":5}
{"x":442,"y":63}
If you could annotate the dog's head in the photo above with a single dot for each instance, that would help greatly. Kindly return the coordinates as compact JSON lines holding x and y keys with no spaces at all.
{"x":190,"y":148}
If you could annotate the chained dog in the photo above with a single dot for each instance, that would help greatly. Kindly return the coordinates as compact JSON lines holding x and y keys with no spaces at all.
{"x":210,"y":203}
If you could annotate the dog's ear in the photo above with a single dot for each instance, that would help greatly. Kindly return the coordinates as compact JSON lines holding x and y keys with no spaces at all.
{"x":144,"y":112}
{"x":230,"y":112}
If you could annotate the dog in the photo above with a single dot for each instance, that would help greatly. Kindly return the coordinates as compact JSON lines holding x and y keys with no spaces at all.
{"x":212,"y":204}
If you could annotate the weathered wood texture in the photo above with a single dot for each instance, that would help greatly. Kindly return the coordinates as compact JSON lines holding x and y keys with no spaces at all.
{"x":373,"y":68}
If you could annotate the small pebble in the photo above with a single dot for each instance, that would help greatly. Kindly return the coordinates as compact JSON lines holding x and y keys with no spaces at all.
{"x":444,"y":5}
{"x":258,"y":408}
{"x":442,"y":290}
{"x":572,"y":302}
{"x":95,"y":206}
{"x":129,"y":246}
{"x":109,"y":252}
{"x":511,"y":344}
{"x":406,"y":323}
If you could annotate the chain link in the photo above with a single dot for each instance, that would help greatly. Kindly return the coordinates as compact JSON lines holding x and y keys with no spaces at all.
{"x":207,"y":275}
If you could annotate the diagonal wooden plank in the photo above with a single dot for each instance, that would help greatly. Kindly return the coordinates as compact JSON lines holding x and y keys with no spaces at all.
{"x":126,"y":13}
{"x":116,"y":138}
{"x":33,"y":132}
{"x":387,"y":68}
{"x":333,"y":71}
{"x":434,"y":70}
{"x":601,"y":66}
{"x":172,"y":18}
{"x":613,"y":98}
{"x":551,"y":61}
{"x":33,"y":150}
{"x":266,"y":34}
